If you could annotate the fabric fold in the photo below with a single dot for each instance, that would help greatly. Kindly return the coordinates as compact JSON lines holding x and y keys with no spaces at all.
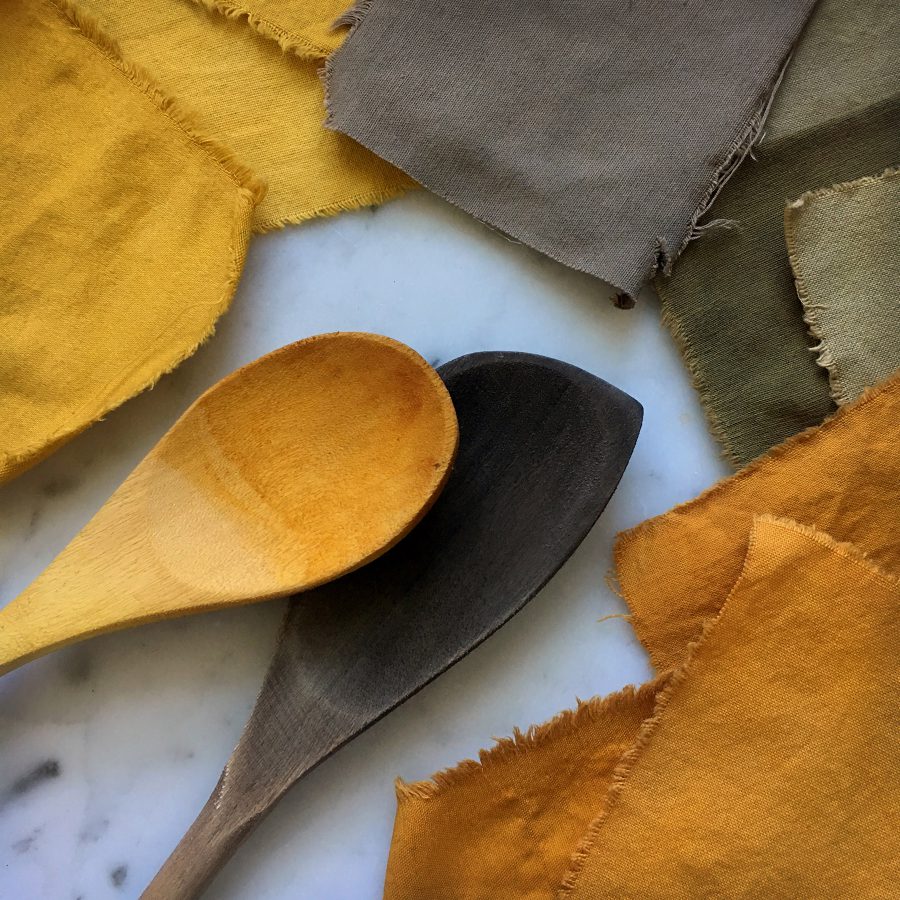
{"x":842,"y":247}
{"x":250,"y":75}
{"x":769,"y":767}
{"x":843,"y":476}
{"x":595,"y":132}
{"x":123,"y":235}
{"x":730,"y":301}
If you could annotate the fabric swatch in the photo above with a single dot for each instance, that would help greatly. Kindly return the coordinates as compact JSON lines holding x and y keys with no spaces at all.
{"x":123,"y":230}
{"x":769,"y":767}
{"x":505,"y":827}
{"x":594,"y":131}
{"x":264,"y":103}
{"x":842,"y":243}
{"x":844,"y":476}
{"x":764,"y":765}
{"x":731,"y":300}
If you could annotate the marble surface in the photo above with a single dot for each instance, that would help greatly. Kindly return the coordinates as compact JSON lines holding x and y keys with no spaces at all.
{"x":109,"y":749}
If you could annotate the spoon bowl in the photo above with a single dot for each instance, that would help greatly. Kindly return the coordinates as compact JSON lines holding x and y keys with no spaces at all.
{"x":293,"y":470}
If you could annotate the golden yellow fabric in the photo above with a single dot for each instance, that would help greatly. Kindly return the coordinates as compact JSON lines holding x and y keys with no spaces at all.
{"x":505,"y":828}
{"x":123,"y":233}
{"x":843,"y":477}
{"x":766,"y":768}
{"x":263,"y":102}
{"x":770,"y":767}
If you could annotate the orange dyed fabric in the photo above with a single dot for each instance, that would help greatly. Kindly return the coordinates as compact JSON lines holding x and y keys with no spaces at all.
{"x":843,"y":477}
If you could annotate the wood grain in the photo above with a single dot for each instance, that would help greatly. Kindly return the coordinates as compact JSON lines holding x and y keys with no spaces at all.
{"x":292,"y":471}
{"x":542,"y":447}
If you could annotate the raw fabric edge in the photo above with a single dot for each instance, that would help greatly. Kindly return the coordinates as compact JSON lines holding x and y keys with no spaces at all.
{"x":15,"y":464}
{"x":772,"y":456}
{"x":374,"y":198}
{"x":505,"y":748}
{"x":185,"y":121}
{"x":676,"y":677}
{"x":840,"y":391}
{"x":250,"y":190}
{"x":621,"y":298}
{"x":287,"y":40}
{"x":692,"y":363}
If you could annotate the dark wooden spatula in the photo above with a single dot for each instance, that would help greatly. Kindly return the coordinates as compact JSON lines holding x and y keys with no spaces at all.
{"x":542,"y":447}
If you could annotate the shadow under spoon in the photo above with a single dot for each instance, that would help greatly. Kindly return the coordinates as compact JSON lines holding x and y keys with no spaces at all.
{"x":542,"y":448}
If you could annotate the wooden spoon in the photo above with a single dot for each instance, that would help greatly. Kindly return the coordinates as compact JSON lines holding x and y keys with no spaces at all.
{"x":542,"y":447}
{"x":288,"y":473}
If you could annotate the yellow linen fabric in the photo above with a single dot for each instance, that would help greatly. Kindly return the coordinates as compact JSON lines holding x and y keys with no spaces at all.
{"x":505,"y":828}
{"x":843,"y":477}
{"x":770,"y":767}
{"x":266,"y":104}
{"x":122,"y":233}
{"x":842,"y":246}
{"x":766,"y":768}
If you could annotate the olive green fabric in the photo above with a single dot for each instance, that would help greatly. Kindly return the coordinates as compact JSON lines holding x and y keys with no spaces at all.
{"x":842,"y":243}
{"x":731,"y":300}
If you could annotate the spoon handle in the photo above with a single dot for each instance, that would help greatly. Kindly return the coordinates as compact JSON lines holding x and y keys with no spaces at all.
{"x":204,"y":849}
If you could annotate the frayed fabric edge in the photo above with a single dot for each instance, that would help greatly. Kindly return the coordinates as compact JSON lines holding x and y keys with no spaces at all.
{"x":676,"y":677}
{"x":625,"y":538}
{"x":184,"y":120}
{"x":374,"y":198}
{"x":288,"y":41}
{"x":13,"y":465}
{"x":676,"y":328}
{"x":530,"y":739}
{"x":840,"y":391}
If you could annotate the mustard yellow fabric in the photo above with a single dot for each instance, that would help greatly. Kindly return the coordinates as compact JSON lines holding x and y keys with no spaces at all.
{"x":842,"y":243}
{"x":770,"y":767}
{"x":766,"y":767}
{"x":505,"y":827}
{"x":843,"y":476}
{"x":123,"y":233}
{"x":264,"y":102}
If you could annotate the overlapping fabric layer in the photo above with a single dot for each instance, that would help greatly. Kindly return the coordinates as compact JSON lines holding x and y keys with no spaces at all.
{"x":595,"y":132}
{"x":124,"y":231}
{"x":731,"y":299}
{"x":842,"y":243}
{"x":251,"y":79}
{"x":763,"y":760}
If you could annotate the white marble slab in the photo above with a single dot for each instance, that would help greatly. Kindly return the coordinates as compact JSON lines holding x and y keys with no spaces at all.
{"x":108,"y":749}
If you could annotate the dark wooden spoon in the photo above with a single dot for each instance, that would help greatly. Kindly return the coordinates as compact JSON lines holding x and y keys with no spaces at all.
{"x":542,"y":447}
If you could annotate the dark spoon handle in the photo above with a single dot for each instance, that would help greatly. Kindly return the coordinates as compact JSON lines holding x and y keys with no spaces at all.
{"x":204,"y":849}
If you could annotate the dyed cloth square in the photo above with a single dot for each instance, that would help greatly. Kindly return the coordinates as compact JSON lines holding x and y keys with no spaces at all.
{"x":595,"y":131}
{"x":123,"y":230}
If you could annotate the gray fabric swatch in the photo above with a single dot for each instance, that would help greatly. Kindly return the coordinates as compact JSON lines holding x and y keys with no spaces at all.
{"x":592,"y":130}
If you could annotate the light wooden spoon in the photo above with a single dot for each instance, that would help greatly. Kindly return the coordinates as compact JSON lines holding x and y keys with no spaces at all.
{"x":542,"y":447}
{"x":293,"y":470}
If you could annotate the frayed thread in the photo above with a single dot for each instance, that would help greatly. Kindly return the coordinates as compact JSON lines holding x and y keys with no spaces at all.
{"x":750,"y":137}
{"x":353,"y":16}
{"x":692,"y":363}
{"x":288,"y":41}
{"x":670,"y":681}
{"x":522,"y":741}
{"x":352,"y":204}
{"x":840,"y":391}
{"x":185,"y":121}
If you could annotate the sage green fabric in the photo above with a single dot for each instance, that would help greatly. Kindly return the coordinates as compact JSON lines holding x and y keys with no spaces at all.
{"x":731,"y":300}
{"x":842,"y":242}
